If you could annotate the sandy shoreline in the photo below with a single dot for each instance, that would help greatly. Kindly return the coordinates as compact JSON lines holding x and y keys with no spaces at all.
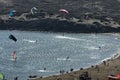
{"x":96,"y":72}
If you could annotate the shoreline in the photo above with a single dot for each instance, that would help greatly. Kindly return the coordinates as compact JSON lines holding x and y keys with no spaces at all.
{"x":108,"y":67}
{"x":49,"y":24}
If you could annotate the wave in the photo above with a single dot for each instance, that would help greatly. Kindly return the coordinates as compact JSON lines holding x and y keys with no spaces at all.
{"x":65,"y":37}
{"x":117,"y":38}
{"x":92,"y":48}
{"x":65,"y":59}
{"x":94,"y":56}
{"x":31,"y":41}
{"x":12,"y":59}
{"x":42,"y":70}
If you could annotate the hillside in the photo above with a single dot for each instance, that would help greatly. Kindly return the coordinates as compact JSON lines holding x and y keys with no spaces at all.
{"x":75,"y":7}
{"x":104,"y":12}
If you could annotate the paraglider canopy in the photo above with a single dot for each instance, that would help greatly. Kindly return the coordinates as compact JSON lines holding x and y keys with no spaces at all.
{"x":12,"y":37}
{"x":34,"y":10}
{"x":63,"y":10}
{"x":1,"y":76}
{"x":118,"y":76}
{"x":12,"y":13}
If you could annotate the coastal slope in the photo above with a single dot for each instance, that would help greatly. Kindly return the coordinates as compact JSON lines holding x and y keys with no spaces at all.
{"x":89,"y":16}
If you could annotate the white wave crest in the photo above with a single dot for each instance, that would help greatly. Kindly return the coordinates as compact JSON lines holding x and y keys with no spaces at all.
{"x":65,"y":37}
{"x":42,"y":70}
{"x":31,"y":41}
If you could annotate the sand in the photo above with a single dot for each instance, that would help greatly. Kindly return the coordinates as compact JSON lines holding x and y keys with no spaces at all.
{"x":96,"y":72}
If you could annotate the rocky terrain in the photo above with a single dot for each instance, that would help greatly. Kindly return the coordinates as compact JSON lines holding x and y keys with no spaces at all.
{"x":75,"y":7}
{"x":102,"y":15}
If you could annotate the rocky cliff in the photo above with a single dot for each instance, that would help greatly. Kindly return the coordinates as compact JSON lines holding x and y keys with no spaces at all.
{"x":56,"y":25}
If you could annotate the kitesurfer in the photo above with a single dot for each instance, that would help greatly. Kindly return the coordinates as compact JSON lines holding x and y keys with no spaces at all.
{"x":15,"y":78}
{"x":36,"y":41}
{"x":14,"y":55}
{"x":67,"y":57}
{"x":44,"y":68}
{"x":99,"y":47}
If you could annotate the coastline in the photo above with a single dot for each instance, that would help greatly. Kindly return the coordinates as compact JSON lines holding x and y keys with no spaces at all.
{"x":49,"y":24}
{"x":96,"y":72}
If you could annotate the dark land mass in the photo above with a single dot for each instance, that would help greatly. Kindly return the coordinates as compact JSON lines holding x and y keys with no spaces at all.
{"x":77,"y":8}
{"x":102,"y":15}
{"x":55,"y":25}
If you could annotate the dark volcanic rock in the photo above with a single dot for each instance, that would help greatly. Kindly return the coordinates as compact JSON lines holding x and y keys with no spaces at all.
{"x":55,"y":25}
{"x":96,"y":9}
{"x":76,"y":7}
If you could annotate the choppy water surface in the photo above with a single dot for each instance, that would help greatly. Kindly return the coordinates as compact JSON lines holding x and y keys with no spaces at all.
{"x":53,"y":51}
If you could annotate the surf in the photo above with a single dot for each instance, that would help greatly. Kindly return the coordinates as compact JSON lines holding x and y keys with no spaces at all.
{"x":65,"y":37}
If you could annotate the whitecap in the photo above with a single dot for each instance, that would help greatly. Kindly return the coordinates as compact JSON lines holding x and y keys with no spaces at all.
{"x":42,"y":70}
{"x":65,"y":37}
{"x":31,"y":41}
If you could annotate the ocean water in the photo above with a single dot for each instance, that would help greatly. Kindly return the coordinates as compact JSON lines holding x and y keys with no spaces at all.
{"x":53,"y":51}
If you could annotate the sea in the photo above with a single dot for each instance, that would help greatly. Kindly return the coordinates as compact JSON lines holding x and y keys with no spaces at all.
{"x":46,"y":53}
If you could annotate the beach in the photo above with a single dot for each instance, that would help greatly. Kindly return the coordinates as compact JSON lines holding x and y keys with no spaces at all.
{"x":96,"y":72}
